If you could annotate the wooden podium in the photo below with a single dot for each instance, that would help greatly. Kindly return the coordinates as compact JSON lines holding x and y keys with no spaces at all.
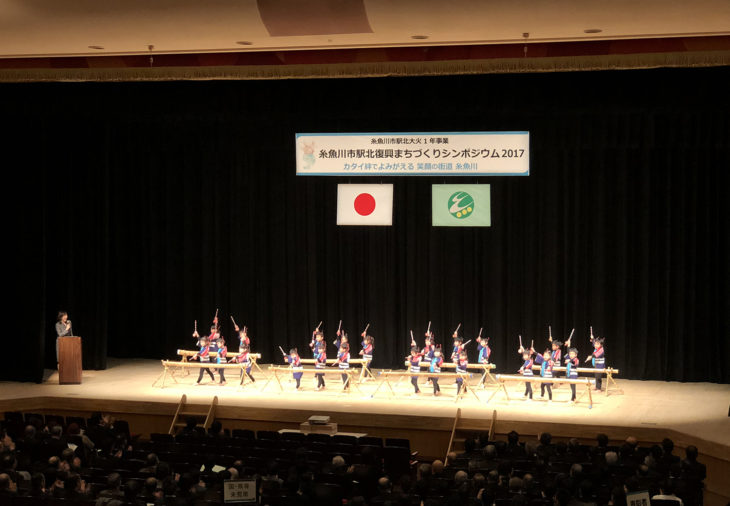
{"x":69,"y":360}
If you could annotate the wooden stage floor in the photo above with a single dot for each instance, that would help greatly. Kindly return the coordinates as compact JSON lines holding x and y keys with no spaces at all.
{"x":697,"y":409}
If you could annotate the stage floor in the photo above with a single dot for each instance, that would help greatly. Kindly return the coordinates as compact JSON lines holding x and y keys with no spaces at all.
{"x":699,"y":409}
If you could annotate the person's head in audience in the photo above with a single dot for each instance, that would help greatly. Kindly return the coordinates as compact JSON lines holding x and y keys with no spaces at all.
{"x":438,"y":468}
{"x":216,"y":429}
{"x":162,"y":470}
{"x":493,"y":476}
{"x":114,"y":481}
{"x":191,"y":423}
{"x":234,"y":473}
{"x":358,"y":500}
{"x":530,"y":448}
{"x":611,"y":458}
{"x":667,"y":446}
{"x":383,"y":486}
{"x":545,"y":438}
{"x":6,"y":483}
{"x":632,"y":442}
{"x":38,"y":482}
{"x":338,"y":463}
{"x":460,"y":477}
{"x":632,"y":484}
{"x":151,"y":460}
{"x":56,"y":431}
{"x":132,"y":488}
{"x":618,"y":496}
{"x":150,"y":486}
{"x":602,"y":440}
{"x":573,"y":444}
{"x":691,"y":453}
{"x":73,"y":429}
{"x":642,"y":471}
{"x":483,"y":439}
{"x":479,"y":481}
{"x":67,"y":455}
{"x":576,"y":470}
{"x":513,"y":438}
{"x":451,"y":456}
{"x":490,"y":452}
{"x":515,"y":485}
{"x":424,"y":471}
{"x":469,"y":445}
{"x":30,"y":432}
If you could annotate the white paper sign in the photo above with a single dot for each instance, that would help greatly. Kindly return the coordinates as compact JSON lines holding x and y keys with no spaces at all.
{"x":413,"y":154}
{"x":239,"y":491}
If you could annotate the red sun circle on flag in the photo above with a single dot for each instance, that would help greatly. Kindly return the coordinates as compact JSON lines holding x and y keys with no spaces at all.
{"x":364,"y":204}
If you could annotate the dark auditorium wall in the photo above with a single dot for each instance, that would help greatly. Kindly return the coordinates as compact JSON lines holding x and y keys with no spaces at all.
{"x":140,"y":207}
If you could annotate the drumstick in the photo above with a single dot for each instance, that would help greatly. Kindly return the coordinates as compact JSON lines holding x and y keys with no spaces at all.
{"x":366,"y":328}
{"x":466,"y":343}
{"x":457,"y":328}
{"x":320,"y":324}
{"x":282,"y":351}
{"x":234,"y":321}
{"x":521,"y":343}
{"x":428,"y":330}
{"x":550,"y":333}
{"x":413,"y":341}
{"x":339,"y":327}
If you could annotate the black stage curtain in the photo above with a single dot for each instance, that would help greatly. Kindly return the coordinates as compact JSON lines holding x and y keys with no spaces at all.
{"x":149,"y":205}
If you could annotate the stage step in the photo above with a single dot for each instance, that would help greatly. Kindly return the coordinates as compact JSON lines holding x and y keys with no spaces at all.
{"x":182,"y":413}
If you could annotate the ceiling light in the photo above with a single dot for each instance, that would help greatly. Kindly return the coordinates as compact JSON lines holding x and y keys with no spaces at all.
{"x":96,"y":47}
{"x":592,"y":30}
{"x":244,"y":43}
{"x":419,"y":37}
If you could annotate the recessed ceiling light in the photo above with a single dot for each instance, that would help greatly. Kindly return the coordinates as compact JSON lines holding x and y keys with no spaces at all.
{"x":592,"y":30}
{"x":419,"y":37}
{"x":96,"y":47}
{"x":244,"y":42}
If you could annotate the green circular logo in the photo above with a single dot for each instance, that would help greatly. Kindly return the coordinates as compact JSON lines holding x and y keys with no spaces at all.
{"x":461,"y":205}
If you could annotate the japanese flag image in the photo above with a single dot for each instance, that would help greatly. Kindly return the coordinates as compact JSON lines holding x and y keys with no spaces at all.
{"x":364,"y":204}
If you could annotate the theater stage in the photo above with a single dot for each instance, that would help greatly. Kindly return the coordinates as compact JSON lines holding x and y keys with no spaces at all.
{"x":689,"y":413}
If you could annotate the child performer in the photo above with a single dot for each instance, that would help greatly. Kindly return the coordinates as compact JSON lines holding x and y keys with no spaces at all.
{"x":484,"y":350}
{"x":317,"y":340}
{"x":435,"y":368}
{"x":204,"y":356}
{"x":526,"y":369}
{"x":243,"y":336}
{"x":458,"y":348}
{"x":341,"y":339}
{"x":429,"y":347}
{"x":343,"y":360}
{"x":571,"y":369}
{"x":296,"y":365}
{"x":367,"y":353}
{"x":415,"y":359}
{"x":546,"y":371}
{"x":213,"y":338}
{"x":461,"y":367}
{"x":598,"y":359}
{"x":320,"y":357}
{"x":484,"y":353}
{"x":243,"y":358}
{"x":221,"y":359}
{"x":556,"y":354}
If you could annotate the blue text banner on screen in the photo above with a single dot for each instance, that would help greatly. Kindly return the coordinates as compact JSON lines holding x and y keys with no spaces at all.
{"x":413,"y":154}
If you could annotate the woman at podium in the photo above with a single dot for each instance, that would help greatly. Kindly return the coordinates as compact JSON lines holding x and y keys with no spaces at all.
{"x":63,"y":328}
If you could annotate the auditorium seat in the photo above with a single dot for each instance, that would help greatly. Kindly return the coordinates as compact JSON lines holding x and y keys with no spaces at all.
{"x":370,"y":441}
{"x":243,"y":434}
{"x":319,"y":438}
{"x":268,"y":435}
